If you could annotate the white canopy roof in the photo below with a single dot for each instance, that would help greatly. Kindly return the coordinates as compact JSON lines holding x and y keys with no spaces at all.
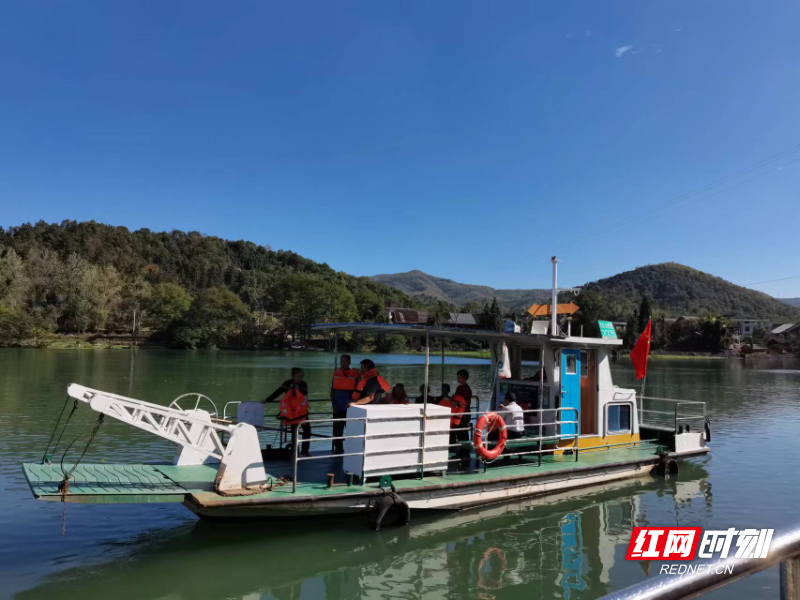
{"x":511,"y":339}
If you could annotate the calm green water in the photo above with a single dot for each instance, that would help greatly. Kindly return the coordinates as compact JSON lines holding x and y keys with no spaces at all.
{"x":558,"y":547}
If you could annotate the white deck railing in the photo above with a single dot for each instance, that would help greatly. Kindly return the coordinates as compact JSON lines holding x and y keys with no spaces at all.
{"x":669,"y":414}
{"x":421,"y":464}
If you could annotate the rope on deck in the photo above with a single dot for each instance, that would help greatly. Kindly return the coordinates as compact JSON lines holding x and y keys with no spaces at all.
{"x":267,"y":487}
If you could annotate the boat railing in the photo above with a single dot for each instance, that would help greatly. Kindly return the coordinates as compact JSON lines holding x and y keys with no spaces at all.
{"x":548,"y":433}
{"x":670,"y":414}
{"x":784,"y":550}
{"x":235,"y":403}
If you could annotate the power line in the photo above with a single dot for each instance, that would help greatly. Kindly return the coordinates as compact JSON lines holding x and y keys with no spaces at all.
{"x":685,"y":196}
{"x":616,"y":229}
{"x":772,"y":280}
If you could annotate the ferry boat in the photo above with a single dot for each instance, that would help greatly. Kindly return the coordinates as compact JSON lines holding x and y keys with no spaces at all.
{"x":580,"y":430}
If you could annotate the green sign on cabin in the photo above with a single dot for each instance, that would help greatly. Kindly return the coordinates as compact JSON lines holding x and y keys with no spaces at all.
{"x":607,"y":330}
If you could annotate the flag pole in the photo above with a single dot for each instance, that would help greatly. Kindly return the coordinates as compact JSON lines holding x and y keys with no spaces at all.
{"x":644,"y":379}
{"x":641,"y":400}
{"x":639,"y":356}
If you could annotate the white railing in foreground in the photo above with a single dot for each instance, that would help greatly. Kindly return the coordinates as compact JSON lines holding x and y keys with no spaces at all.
{"x":669,"y":414}
{"x":784,"y":549}
{"x":556,"y":437}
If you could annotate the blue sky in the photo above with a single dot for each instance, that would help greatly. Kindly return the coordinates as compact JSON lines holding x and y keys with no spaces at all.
{"x":471,"y":140}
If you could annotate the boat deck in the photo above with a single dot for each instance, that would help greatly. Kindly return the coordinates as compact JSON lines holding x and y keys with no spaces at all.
{"x":110,"y":484}
{"x":107,"y":483}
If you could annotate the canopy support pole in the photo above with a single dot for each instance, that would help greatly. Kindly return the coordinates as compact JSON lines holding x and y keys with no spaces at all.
{"x":442,"y":366}
{"x":641,"y":401}
{"x":425,"y":404}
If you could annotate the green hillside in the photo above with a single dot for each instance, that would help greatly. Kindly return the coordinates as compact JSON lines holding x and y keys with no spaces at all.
{"x":424,"y":286}
{"x":194,"y":290}
{"x":679,"y":290}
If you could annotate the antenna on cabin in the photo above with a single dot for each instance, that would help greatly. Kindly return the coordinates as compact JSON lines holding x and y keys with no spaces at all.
{"x":554,"y":299}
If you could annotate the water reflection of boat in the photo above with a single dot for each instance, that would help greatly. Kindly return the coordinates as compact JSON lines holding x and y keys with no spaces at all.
{"x":556,"y":545}
{"x":579,"y":430}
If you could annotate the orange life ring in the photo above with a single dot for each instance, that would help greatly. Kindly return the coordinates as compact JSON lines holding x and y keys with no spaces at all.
{"x":493,"y":422}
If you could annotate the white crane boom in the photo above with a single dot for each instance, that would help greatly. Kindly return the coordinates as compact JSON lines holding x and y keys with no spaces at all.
{"x":169,"y":423}
{"x":240,"y":460}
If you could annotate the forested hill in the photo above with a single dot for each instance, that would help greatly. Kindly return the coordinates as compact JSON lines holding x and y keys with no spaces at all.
{"x":676,"y":290}
{"x":424,"y":286}
{"x":673,"y":289}
{"x":79,"y":277}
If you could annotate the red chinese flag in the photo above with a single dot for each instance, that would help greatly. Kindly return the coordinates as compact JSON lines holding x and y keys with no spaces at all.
{"x":641,"y":351}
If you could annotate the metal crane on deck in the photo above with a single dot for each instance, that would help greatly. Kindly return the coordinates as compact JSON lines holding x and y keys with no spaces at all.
{"x":241,"y":467}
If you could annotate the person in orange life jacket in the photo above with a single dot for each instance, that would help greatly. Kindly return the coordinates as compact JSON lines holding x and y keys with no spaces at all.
{"x":342,"y":386}
{"x":371,"y":387}
{"x":397,"y":395}
{"x":459,"y":404}
{"x":464,"y":391}
{"x":294,"y":407}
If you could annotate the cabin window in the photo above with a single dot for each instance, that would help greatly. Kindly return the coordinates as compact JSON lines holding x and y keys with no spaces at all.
{"x":619,"y":418}
{"x":572,"y":364}
{"x":584,"y":364}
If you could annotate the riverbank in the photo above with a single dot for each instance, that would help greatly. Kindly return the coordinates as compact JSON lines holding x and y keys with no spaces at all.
{"x":685,"y":355}
{"x":461,"y":353}
{"x":144,"y":341}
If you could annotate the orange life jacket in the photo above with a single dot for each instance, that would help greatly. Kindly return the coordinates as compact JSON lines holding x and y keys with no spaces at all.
{"x":458,"y":406}
{"x":294,"y":407}
{"x":363,"y":381}
{"x":345,"y":380}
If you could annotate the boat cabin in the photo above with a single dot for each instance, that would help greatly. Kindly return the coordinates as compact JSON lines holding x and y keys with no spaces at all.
{"x":571,"y":377}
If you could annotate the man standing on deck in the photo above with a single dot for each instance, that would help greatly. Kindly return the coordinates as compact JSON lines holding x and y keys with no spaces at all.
{"x":464,"y":391}
{"x":342,"y":387}
{"x":459,"y":404}
{"x":371,"y":387}
{"x":294,"y":407}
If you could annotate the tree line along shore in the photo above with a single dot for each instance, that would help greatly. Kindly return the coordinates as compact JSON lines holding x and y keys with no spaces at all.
{"x":85,"y":284}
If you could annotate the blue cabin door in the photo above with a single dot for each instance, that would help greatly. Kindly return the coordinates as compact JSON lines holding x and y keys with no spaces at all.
{"x":570,"y":389}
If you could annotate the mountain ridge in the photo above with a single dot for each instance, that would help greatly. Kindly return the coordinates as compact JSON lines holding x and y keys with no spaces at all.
{"x":791,"y":301}
{"x":419,"y":284}
{"x":674,"y":290}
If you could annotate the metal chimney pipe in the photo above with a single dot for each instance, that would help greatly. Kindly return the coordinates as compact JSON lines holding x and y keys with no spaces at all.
{"x":554,"y":305}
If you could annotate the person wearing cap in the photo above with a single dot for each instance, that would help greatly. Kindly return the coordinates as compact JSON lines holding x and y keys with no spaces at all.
{"x":512,"y":414}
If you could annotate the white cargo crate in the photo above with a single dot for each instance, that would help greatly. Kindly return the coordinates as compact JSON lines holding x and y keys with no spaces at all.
{"x":406,"y":454}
